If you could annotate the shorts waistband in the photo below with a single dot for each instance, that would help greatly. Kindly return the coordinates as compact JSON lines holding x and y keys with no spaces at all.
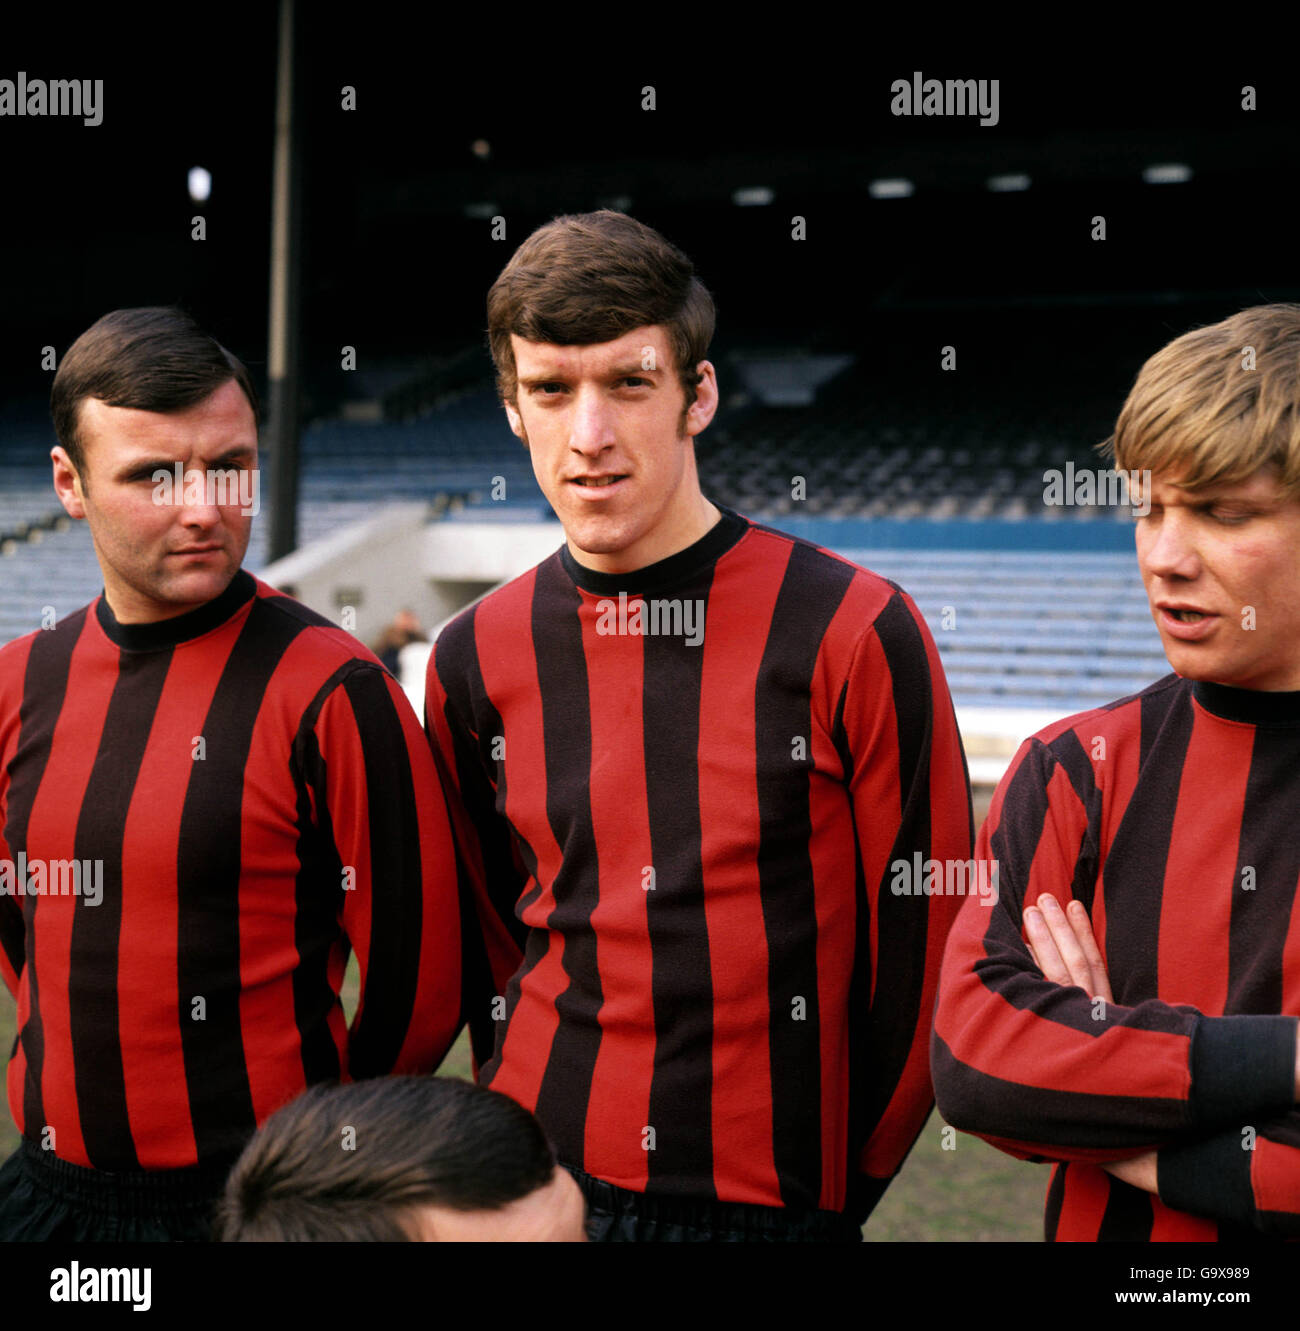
{"x":711,"y":1216}
{"x":139,"y":1192}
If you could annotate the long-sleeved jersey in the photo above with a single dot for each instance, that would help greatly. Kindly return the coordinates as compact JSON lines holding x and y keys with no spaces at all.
{"x":687,"y":786}
{"x":1172,"y":816}
{"x":198,"y":817}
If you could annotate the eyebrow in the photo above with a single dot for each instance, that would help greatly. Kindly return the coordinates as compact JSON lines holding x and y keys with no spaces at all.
{"x":629,"y":369}
{"x":168,"y":465}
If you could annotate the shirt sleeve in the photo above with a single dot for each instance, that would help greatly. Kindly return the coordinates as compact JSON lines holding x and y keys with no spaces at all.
{"x":490,"y":872}
{"x":912,"y":811}
{"x":1247,"y":1175}
{"x":382,"y":805}
{"x":1045,"y":1071}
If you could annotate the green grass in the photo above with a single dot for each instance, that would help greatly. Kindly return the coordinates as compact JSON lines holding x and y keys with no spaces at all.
{"x":970,"y":1193}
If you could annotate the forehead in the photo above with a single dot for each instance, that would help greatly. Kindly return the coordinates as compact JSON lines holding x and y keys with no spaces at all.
{"x":1262,"y":486}
{"x":591,"y":358}
{"x":222,"y":420}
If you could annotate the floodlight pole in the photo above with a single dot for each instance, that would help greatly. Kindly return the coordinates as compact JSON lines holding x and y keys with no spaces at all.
{"x":281,"y":435}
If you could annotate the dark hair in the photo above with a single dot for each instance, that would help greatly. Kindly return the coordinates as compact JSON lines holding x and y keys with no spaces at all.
{"x":348,"y":1163}
{"x":154,"y":358}
{"x":591,"y":278}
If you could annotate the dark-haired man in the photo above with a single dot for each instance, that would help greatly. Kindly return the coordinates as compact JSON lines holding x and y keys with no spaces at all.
{"x":251,"y":793}
{"x":399,"y":1159}
{"x":691,"y":750}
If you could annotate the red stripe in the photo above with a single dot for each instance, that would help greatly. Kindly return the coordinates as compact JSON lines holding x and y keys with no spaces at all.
{"x":1083,"y":1204}
{"x":1201,"y":868}
{"x":619,"y":1105}
{"x":153,"y":1066}
{"x":1057,"y":852}
{"x":51,"y":835}
{"x":502,"y":635}
{"x":734,"y":641}
{"x":1169,"y":1226}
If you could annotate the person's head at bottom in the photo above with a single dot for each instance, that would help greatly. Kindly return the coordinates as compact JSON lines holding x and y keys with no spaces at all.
{"x":399,"y":1159}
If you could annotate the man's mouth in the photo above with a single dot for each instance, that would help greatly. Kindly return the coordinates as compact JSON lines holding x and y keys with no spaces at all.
{"x":596,"y":482}
{"x":1188,"y":616}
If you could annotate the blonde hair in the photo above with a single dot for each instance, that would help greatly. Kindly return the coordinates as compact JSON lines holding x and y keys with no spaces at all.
{"x":1218,"y":403}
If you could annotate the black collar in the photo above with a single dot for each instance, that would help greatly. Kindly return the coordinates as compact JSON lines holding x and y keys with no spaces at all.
{"x":163,"y":633}
{"x":1254,"y":706}
{"x":707,"y":550}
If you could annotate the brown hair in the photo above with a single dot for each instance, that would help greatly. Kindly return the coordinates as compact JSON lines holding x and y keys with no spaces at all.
{"x":153,"y":358}
{"x":1218,"y":403}
{"x":350,"y":1163}
{"x":592,"y":277}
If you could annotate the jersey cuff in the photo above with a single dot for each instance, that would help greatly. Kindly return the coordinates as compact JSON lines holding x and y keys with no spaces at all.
{"x":1210,"y":1178}
{"x":1243,"y":1068}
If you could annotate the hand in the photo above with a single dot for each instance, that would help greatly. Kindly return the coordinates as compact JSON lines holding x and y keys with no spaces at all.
{"x":1140,"y":1171}
{"x":1063,"y":947}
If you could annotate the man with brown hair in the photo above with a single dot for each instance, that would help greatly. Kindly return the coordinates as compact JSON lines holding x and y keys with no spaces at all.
{"x":691,"y":753}
{"x":253,"y":794}
{"x":1142,"y":1032}
{"x":398,"y":1159}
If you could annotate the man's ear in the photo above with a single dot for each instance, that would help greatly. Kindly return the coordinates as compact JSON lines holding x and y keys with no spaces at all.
{"x":702,"y":410}
{"x":67,"y":483}
{"x":516,"y":422}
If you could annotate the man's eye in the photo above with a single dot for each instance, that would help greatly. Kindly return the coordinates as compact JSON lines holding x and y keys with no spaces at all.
{"x":545,"y":389}
{"x":635,"y":380}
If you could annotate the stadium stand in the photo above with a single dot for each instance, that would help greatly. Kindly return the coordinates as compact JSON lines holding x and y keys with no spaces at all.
{"x":1032,"y":607}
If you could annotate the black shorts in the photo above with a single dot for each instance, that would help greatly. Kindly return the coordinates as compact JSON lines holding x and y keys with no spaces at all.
{"x":44,"y":1198}
{"x":616,"y":1215}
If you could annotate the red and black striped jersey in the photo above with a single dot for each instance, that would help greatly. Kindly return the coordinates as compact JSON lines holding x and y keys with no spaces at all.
{"x":1171,"y":815}
{"x":686,"y":787}
{"x":254,"y":795}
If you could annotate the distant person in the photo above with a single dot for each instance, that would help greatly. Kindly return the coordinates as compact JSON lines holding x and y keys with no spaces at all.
{"x":248,"y":793}
{"x":404,"y":630}
{"x":1128,"y":1009}
{"x":693,"y":751}
{"x":398,"y":1159}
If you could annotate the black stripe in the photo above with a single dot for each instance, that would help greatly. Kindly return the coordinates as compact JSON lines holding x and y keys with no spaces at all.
{"x":1128,"y":1216}
{"x":1019,"y":831}
{"x":93,"y":1013}
{"x":857,"y":1185}
{"x":1268,"y":845}
{"x":12,"y":932}
{"x":209,"y":857}
{"x":1020,"y":826}
{"x":397,"y":896}
{"x":681,"y":1088}
{"x":1055,"y":1196}
{"x":1139,"y":850}
{"x":470,"y":716}
{"x":318,"y":894}
{"x":1074,"y":759}
{"x":566,"y":729}
{"x":811,"y":591}
{"x":1079,"y":1117}
{"x":895,"y":1009}
{"x":45,"y":685}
